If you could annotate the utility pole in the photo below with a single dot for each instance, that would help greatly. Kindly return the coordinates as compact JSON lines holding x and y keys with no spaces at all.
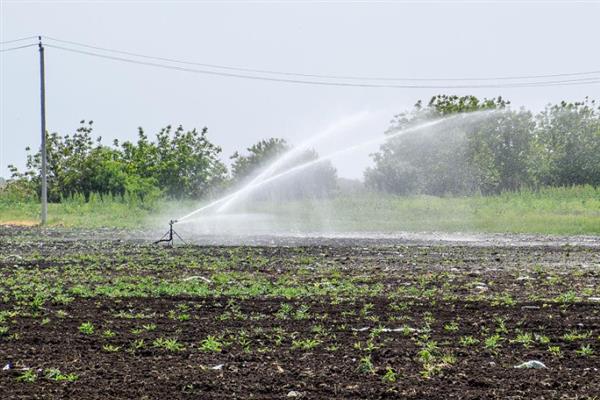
{"x":44,"y":194}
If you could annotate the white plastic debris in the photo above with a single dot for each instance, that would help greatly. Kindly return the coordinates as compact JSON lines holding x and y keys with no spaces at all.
{"x":293,"y":393}
{"x":535,"y":364}
{"x":189,"y":278}
{"x":217,"y":367}
{"x":6,"y":367}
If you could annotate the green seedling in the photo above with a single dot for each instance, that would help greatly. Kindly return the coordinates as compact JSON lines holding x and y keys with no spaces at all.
{"x":468,"y":341}
{"x":108,"y":334}
{"x":390,"y":375}
{"x":110,"y":348}
{"x":365,"y":365}
{"x":87,"y":328}
{"x":451,"y":326}
{"x":305,"y":344}
{"x":585,"y":350}
{"x":211,"y":344}
{"x":555,"y":351}
{"x":28,"y":376}
{"x":57,"y":376}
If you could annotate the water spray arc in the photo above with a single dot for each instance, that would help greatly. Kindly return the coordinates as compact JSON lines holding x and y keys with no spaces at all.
{"x":256,"y":184}
{"x":268,"y":175}
{"x":267,"y":172}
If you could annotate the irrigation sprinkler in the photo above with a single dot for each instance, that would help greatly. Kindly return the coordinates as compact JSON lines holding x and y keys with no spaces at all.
{"x":170,"y":235}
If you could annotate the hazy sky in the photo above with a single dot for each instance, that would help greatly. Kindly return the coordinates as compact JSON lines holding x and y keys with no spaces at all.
{"x":379,"y":39}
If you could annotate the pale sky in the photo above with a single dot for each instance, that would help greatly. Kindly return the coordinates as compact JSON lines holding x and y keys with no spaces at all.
{"x":427,"y":39}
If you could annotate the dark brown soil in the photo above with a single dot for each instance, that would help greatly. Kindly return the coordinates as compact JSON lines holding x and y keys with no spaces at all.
{"x":260,"y":356}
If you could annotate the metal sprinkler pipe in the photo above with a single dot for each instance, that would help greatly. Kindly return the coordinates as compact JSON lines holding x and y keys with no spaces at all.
{"x":170,"y":235}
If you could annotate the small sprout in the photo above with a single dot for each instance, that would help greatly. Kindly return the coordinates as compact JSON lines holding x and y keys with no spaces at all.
{"x":428,"y":318}
{"x":492,"y":342}
{"x":468,"y":341}
{"x":504,"y":299}
{"x":501,"y":325}
{"x":365,"y":365}
{"x":302,"y":312}
{"x":305,"y":344}
{"x":543,"y":339}
{"x":430,"y":369}
{"x":451,"y":326}
{"x":284,"y":311}
{"x":526,"y":339}
{"x":110,"y":348}
{"x":138,"y":344}
{"x":168,"y":344}
{"x":57,"y":376}
{"x":28,"y":376}
{"x":406,"y":330}
{"x":332,"y":347}
{"x":367,"y":308}
{"x":390,"y":375}
{"x":555,"y":351}
{"x":108,"y":334}
{"x":585,"y":350}
{"x":574,"y":334}
{"x":425,"y":356}
{"x":212,"y":344}
{"x":149,"y":327}
{"x":448,"y":359}
{"x":183,"y":317}
{"x":87,"y":328}
{"x":568,"y":297}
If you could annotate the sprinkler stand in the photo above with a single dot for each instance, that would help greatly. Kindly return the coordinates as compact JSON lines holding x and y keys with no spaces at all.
{"x":170,"y":235}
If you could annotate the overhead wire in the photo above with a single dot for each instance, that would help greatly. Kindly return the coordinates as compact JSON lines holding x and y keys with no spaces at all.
{"x":588,"y":80}
{"x":322,"y":76}
{"x":579,"y":78}
{"x":18,"y":40}
{"x":18,"y":47}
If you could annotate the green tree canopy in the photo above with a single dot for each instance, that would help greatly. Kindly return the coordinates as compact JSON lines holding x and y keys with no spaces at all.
{"x":506,"y":150}
{"x":179,"y":164}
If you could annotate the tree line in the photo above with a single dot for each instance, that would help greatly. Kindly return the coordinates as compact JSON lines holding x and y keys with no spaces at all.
{"x":503,"y":150}
{"x":177,"y":164}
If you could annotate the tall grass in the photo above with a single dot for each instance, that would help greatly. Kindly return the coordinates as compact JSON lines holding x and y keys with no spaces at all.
{"x":572,"y":210}
{"x":98,"y":211}
{"x":568,"y":210}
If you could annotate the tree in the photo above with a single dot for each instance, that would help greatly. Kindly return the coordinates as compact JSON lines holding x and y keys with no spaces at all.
{"x":183,"y":163}
{"x":180,"y":164}
{"x":436,"y":160}
{"x":259,"y":155}
{"x":568,"y":139}
{"x":501,"y":151}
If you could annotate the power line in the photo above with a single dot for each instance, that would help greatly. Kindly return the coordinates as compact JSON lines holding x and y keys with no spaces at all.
{"x":19,"y":40}
{"x":580,"y":81}
{"x":18,"y":47}
{"x":321,"y":76}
